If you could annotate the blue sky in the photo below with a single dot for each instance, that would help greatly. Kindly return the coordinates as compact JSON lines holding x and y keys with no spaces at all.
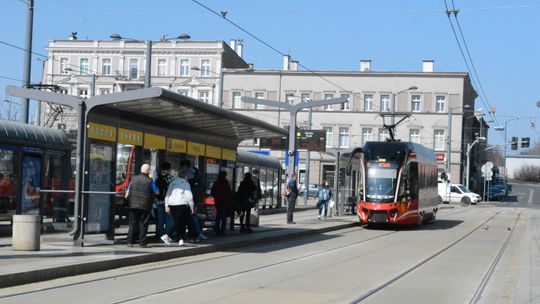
{"x":396,"y":35}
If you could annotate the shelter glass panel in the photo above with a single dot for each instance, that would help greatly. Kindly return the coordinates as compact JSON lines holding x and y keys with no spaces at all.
{"x":100,"y":176}
{"x":9,"y":186}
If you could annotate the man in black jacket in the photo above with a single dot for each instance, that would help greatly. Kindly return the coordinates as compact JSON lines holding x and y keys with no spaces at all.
{"x":140,"y":195}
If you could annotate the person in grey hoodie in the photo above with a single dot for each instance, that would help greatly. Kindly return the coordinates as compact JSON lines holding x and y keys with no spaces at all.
{"x":179,"y":202}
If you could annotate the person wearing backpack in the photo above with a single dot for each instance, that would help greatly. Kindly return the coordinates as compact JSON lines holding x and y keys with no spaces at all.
{"x":164,"y":221}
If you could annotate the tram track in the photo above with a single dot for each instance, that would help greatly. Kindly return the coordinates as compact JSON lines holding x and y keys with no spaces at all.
{"x":203,"y":260}
{"x":485,"y":278}
{"x":253,"y":269}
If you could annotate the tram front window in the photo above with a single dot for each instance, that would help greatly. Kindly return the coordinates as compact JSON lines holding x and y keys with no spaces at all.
{"x":381,"y":184}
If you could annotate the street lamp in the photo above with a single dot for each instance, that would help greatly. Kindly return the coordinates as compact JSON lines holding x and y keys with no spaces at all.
{"x":469,"y":147}
{"x":449,"y":145}
{"x":394,"y":95}
{"x":147,"y":76}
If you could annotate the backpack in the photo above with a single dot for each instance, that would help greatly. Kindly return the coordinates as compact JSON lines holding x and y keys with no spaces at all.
{"x":162,"y":183}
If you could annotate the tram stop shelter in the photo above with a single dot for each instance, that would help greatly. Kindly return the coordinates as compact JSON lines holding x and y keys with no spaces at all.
{"x":150,"y":125}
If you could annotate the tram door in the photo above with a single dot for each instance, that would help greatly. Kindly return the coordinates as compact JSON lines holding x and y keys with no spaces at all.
{"x":100,"y":181}
{"x":31,"y":181}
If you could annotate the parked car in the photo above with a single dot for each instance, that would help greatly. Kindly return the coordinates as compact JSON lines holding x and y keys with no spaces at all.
{"x":457,"y":193}
{"x":312,"y":191}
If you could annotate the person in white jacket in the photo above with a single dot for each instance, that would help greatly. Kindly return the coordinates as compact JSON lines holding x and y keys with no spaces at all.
{"x":179,"y":202}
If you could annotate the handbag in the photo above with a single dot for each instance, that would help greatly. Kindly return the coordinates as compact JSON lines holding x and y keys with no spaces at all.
{"x":319,"y":203}
{"x":331,"y":203}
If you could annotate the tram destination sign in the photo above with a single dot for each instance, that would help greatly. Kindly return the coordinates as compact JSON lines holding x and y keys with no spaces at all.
{"x":312,"y":140}
{"x":274,"y":143}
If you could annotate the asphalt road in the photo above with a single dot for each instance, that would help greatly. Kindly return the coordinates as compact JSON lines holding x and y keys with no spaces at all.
{"x":488,"y":253}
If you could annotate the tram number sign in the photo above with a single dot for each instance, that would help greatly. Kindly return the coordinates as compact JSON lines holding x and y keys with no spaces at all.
{"x":312,"y":140}
{"x":274,"y":143}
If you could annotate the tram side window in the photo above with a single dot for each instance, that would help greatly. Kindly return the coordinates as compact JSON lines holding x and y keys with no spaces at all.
{"x":413,"y":180}
{"x":8,"y":184}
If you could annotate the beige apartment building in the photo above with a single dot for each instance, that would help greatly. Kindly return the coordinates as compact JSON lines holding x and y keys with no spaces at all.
{"x":86,"y":67}
{"x":369,"y":94}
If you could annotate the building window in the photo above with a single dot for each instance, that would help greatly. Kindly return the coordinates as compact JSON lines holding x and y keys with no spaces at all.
{"x":440,"y":104}
{"x":368,"y":102}
{"x":383,"y":134}
{"x":237,"y":100}
{"x":204,"y":96}
{"x":183,"y":92}
{"x":305,"y":97}
{"x":343,"y":137}
{"x":133,"y":69}
{"x":184,"y":67}
{"x":439,"y":140}
{"x":106,"y":66}
{"x":259,"y":95}
{"x":289,"y":98}
{"x":162,"y":67}
{"x":83,"y":64}
{"x":414,"y":135}
{"x":63,"y":91}
{"x":385,"y":103}
{"x":63,"y":65}
{"x":205,"y":67}
{"x":329,"y":136}
{"x":415,"y":103}
{"x":328,"y":107}
{"x":83,"y":93}
{"x":346,"y":106}
{"x":367,"y":135}
{"x":104,"y":91}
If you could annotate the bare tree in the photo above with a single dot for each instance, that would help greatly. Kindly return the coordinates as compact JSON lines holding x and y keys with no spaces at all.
{"x":10,"y":110}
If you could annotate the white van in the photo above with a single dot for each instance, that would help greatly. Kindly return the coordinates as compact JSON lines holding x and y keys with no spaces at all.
{"x":457,"y":193}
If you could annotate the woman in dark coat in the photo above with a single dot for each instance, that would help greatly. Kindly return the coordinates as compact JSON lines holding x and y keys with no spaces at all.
{"x":221,"y":191}
{"x":246,"y":197}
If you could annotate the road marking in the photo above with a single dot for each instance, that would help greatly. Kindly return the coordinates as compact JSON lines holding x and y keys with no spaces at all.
{"x":530,"y":197}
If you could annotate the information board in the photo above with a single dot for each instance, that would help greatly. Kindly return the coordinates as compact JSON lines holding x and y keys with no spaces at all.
{"x":312,"y":140}
{"x":274,"y":143}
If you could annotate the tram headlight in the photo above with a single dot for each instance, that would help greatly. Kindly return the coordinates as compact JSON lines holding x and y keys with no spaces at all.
{"x":393,"y":212}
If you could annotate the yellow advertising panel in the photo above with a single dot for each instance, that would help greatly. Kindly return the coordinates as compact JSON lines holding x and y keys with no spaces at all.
{"x":195,"y":149}
{"x":130,"y":137}
{"x":227,"y":154}
{"x":212,"y":151}
{"x":176,"y":145}
{"x":153,"y":141}
{"x":101,"y":132}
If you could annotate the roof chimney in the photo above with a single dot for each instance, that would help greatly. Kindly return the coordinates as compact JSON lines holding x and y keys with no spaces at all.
{"x":233,"y":44}
{"x":427,"y":66}
{"x":293,"y":66}
{"x":286,"y":62}
{"x":240,"y":47}
{"x":365,"y":65}
{"x":73,"y":36}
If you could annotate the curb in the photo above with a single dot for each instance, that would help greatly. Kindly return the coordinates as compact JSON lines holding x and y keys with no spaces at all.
{"x":34,"y":276}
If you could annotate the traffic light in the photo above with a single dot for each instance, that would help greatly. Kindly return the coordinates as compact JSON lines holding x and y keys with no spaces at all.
{"x":525,"y":141}
{"x":514,"y":143}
